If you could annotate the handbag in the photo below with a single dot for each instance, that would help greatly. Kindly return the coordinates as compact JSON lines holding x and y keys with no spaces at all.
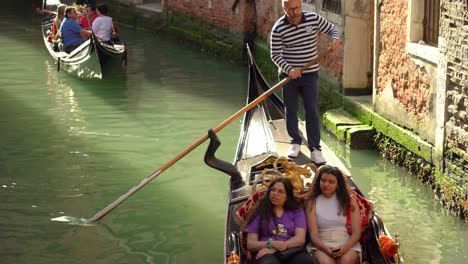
{"x":289,"y":253}
{"x":114,"y":36}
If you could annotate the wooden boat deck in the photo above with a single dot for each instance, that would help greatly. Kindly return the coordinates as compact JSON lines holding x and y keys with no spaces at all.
{"x":282,"y":142}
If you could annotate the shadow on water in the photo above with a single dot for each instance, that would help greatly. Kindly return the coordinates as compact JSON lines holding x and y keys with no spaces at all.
{"x":69,"y":171}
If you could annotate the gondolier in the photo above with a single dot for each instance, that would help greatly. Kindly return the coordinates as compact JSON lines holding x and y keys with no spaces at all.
{"x":294,"y":40}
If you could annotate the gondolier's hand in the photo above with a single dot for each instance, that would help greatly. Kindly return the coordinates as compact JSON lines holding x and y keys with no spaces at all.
{"x":335,"y":44}
{"x":295,"y":73}
{"x":265,"y":251}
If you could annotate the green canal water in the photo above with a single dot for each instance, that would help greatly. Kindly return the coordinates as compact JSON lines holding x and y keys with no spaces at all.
{"x":69,"y":147}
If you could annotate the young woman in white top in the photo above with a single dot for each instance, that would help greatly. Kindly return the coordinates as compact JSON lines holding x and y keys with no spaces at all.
{"x":327,"y":206}
{"x":102,"y":25}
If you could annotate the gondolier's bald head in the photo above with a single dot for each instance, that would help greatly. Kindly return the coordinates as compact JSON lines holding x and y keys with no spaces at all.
{"x":286,"y":2}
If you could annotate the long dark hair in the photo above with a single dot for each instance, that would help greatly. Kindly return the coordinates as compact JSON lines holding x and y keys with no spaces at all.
{"x":265,"y":209}
{"x":342,"y":191}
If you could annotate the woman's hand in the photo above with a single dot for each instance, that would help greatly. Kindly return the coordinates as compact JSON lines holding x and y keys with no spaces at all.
{"x":330,"y":251}
{"x":279,"y":245}
{"x":339,"y":251}
{"x":265,"y":251}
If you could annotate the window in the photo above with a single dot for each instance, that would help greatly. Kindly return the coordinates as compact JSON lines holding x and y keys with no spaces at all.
{"x":431,"y":21}
{"x":332,"y":6}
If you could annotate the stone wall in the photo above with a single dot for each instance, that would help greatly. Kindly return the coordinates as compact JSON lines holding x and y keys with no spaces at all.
{"x":453,"y":23}
{"x":453,"y":29}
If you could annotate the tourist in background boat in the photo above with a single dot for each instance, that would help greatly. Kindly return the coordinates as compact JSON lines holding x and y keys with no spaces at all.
{"x":294,"y":40}
{"x":278,"y":224}
{"x":88,"y":17}
{"x":103,"y":25}
{"x":328,"y":206}
{"x":72,"y":33}
{"x":57,"y":22}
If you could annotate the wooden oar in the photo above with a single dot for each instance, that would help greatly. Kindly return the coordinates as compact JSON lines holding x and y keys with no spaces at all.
{"x":197,"y":143}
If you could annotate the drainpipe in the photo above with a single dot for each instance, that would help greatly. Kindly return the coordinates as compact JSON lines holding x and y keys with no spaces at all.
{"x":377,"y":4}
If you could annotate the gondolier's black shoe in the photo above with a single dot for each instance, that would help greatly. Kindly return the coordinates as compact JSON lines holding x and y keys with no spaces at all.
{"x":317,"y":157}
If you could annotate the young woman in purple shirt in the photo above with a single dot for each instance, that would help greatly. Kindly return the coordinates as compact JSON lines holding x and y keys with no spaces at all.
{"x":277,"y":229}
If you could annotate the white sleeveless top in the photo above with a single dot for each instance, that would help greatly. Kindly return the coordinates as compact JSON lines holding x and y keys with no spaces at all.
{"x":331,"y":225}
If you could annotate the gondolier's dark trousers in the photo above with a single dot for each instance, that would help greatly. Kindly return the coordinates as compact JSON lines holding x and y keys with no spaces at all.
{"x":306,"y":87}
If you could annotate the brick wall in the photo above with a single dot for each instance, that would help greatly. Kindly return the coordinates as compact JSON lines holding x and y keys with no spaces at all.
{"x":409,"y":82}
{"x":266,"y":16}
{"x":216,"y":12}
{"x":454,"y":18}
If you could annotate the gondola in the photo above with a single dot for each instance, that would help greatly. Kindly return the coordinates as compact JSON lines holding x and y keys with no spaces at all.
{"x":263,"y":139}
{"x":90,"y":60}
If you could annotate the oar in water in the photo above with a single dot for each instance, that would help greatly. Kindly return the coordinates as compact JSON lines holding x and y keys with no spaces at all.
{"x":197,"y":143}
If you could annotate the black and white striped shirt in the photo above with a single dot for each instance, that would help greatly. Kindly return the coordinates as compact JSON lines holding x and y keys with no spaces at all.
{"x":294,"y":46}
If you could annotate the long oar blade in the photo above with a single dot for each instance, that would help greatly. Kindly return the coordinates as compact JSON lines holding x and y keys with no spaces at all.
{"x":197,"y":143}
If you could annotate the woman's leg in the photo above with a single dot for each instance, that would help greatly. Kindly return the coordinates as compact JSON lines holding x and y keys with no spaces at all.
{"x":302,"y":258}
{"x":349,"y":257}
{"x":268,"y":259}
{"x":322,"y":258}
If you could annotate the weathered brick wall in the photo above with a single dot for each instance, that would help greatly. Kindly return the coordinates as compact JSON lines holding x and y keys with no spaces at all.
{"x":409,"y":82}
{"x":216,"y":12}
{"x":454,"y":18}
{"x":266,"y":16}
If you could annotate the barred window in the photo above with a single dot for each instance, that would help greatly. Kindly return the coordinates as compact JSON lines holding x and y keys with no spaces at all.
{"x":431,"y":21}
{"x":332,"y":6}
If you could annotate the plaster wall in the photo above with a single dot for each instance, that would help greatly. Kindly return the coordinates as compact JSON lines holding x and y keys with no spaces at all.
{"x":357,"y":47}
{"x":407,"y":84}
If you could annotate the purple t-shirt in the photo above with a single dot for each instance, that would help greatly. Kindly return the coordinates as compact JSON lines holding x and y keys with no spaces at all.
{"x":287,"y":223}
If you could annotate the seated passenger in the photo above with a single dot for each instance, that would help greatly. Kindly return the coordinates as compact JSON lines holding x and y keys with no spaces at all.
{"x":88,"y":17}
{"x":72,"y":33}
{"x":102,"y":25}
{"x":327,"y":206}
{"x":278,"y":224}
{"x":57,"y":22}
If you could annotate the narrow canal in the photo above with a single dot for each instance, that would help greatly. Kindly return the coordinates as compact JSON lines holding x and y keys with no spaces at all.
{"x":69,"y":147}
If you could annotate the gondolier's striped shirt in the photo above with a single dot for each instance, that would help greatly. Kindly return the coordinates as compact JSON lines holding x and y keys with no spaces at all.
{"x":294,"y":46}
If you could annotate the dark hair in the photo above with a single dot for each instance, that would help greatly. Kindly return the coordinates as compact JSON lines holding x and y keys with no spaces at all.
{"x":102,"y":9}
{"x":69,"y":10}
{"x":265,"y":209}
{"x":343,"y":189}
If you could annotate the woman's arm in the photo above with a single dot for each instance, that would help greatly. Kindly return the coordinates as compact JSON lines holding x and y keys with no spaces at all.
{"x":355,"y":226}
{"x":298,"y":239}
{"x":313,"y":229}
{"x":253,"y":244}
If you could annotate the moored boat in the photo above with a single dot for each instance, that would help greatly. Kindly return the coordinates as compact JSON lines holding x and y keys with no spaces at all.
{"x":92,"y":59}
{"x":263,"y":139}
